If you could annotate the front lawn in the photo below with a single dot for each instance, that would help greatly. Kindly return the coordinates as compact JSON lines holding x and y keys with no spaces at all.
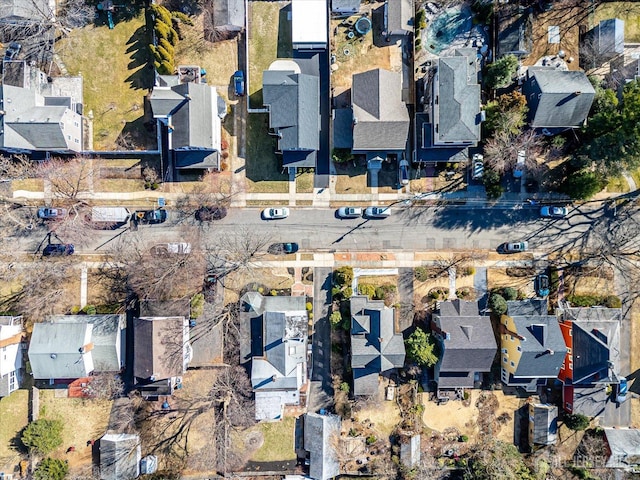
{"x":263,"y":167}
{"x":113,"y":64}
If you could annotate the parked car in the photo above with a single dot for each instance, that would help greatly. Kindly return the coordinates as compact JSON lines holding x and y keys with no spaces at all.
{"x":518,"y":171}
{"x":12,"y":51}
{"x":282,"y":248}
{"x":542,"y":285}
{"x":404,"y":172}
{"x":58,"y":249}
{"x":349,"y":212}
{"x":48,"y":213}
{"x":377,"y":212}
{"x":554,"y":212}
{"x":275,"y":213}
{"x":151,"y":217}
{"x":180,"y":248}
{"x":477,"y":165}
{"x":514,"y":247}
{"x":620,"y":390}
{"x":238,"y":83}
{"x":207,"y":214}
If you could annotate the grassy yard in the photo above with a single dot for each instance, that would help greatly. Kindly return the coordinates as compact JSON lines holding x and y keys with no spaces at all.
{"x":627,"y":11}
{"x":618,"y":184}
{"x":263,"y":167}
{"x":14,"y":411}
{"x":29,"y":184}
{"x":304,"y":182}
{"x":278,"y":441}
{"x":269,"y":39}
{"x":113,"y":65}
{"x":352,"y":179}
{"x":118,"y":185}
{"x":219,"y":59}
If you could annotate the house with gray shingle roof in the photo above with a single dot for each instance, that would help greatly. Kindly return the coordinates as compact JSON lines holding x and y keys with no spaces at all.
{"x":455,"y":100}
{"x":398,"y":17}
{"x":189,"y":111}
{"x":321,"y":435}
{"x":73,"y":346}
{"x":592,"y":337}
{"x":380,"y":117}
{"x":162,"y":353}
{"x":557,"y":99}
{"x":376,"y":345}
{"x":532,"y":348}
{"x":467,"y":344}
{"x":39,"y":115}
{"x":11,"y":368}
{"x":293,"y":101}
{"x":277,"y":330}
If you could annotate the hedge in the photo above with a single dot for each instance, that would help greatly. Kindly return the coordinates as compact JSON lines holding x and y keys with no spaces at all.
{"x":609,"y":301}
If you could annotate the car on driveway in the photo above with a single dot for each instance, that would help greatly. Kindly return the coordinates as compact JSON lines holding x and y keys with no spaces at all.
{"x":275,"y":213}
{"x":513,"y":247}
{"x":620,"y":390}
{"x":12,"y":51}
{"x":477,"y":165}
{"x":238,"y":83}
{"x":377,"y":212}
{"x":151,"y":217}
{"x":207,"y":214}
{"x":282,"y":248}
{"x":349,"y":212}
{"x":554,"y":212}
{"x":58,"y":249}
{"x":48,"y":213}
{"x":175,"y":248}
{"x":542,"y":285}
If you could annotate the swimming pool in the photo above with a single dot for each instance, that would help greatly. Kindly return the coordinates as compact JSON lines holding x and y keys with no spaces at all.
{"x":445,"y":27}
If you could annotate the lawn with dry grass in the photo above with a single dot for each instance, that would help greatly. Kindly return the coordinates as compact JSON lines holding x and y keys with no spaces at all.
{"x":269,"y":39}
{"x":271,"y":278}
{"x":498,"y":278}
{"x":304,"y":182}
{"x":567,"y":15}
{"x":264,"y":174}
{"x":14,"y":412}
{"x":113,"y":64}
{"x":278,"y":441}
{"x":83,"y":420}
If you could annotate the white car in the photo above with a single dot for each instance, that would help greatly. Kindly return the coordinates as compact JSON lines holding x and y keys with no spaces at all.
{"x":349,"y":212}
{"x":377,"y":212}
{"x":554,"y":212}
{"x":175,"y":248}
{"x":275,"y":213}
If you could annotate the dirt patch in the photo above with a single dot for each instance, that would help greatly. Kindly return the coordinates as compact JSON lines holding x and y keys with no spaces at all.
{"x":496,"y":413}
{"x":270,"y":278}
{"x":498,"y":278}
{"x":567,"y":15}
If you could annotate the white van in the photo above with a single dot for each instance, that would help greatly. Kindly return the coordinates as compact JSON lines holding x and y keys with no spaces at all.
{"x":109,"y":215}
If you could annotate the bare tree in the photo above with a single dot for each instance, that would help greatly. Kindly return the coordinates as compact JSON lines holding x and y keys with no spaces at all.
{"x":213,"y":191}
{"x":16,"y":167}
{"x":68,"y":179}
{"x":501,"y":151}
{"x":230,"y":253}
{"x":104,"y":386}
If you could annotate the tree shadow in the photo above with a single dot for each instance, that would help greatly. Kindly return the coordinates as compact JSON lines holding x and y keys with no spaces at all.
{"x":142,"y":76}
{"x":285,"y":46}
{"x":138,"y":133}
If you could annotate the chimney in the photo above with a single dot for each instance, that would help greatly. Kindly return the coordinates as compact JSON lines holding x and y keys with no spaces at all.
{"x":273,"y":378}
{"x":381,"y":340}
{"x":549,"y":351}
{"x":86,"y":348}
{"x":578,"y":93}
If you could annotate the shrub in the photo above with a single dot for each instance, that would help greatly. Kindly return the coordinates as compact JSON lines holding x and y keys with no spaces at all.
{"x":309,"y":306}
{"x":421,"y":348}
{"x":612,"y":301}
{"x":367,"y":289}
{"x":167,"y":46}
{"x":554,"y":279}
{"x":491,"y":181}
{"x":335,"y":318}
{"x":89,"y":310}
{"x":310,"y":314}
{"x":343,"y":276}
{"x":583,"y":185}
{"x":166,"y":68}
{"x":584,"y":300}
{"x":184,"y":18}
{"x":344,"y":387}
{"x":42,"y":436}
{"x":509,"y":293}
{"x":577,"y":421}
{"x":418,"y":42}
{"x":341,"y":155}
{"x":161,"y":13}
{"x":467,"y":271}
{"x":497,"y":304}
{"x":197,"y":306}
{"x":348,"y":293}
{"x":51,"y":469}
{"x":371,"y":439}
{"x":501,"y":72}
{"x":421,"y":274}
{"x":336,"y":293}
{"x":353,"y":432}
{"x":383,"y":290}
{"x":464,"y":438}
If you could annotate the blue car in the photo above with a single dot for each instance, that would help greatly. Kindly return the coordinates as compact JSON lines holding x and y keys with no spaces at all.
{"x":238,"y":83}
{"x":621,"y":389}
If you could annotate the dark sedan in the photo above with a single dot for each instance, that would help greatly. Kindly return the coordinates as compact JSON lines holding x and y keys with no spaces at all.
{"x":58,"y":249}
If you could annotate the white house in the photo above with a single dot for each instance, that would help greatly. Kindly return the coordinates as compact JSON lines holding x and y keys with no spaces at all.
{"x":10,"y":354}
